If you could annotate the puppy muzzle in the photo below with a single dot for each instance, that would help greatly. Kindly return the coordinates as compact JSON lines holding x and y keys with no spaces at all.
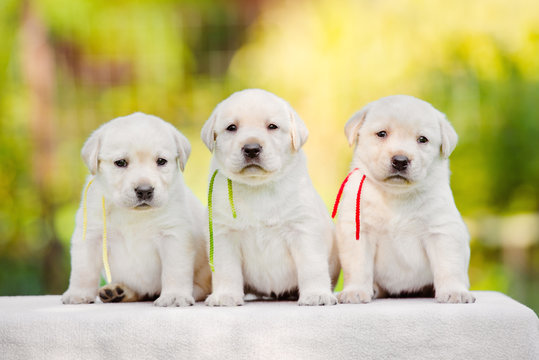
{"x":251,"y":151}
{"x":252,"y":158}
{"x":145,"y":195}
{"x":399,"y":170}
{"x":400,"y":163}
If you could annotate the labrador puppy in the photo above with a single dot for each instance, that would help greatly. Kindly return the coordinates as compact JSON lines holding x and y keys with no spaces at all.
{"x":154,"y":224}
{"x":282,"y":239}
{"x":412,"y":236}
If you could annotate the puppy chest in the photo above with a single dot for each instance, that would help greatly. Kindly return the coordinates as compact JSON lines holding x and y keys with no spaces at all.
{"x":401,"y":262}
{"x":251,"y":212}
{"x":398,"y":236}
{"x":266,"y":260}
{"x":134,"y":257}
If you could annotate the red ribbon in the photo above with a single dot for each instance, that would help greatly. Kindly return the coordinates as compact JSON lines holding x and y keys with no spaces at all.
{"x":358,"y":200}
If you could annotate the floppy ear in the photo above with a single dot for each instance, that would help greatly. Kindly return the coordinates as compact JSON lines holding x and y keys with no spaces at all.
{"x":298,"y":130}
{"x":449,"y":136}
{"x":90,"y":151}
{"x":207,"y":134}
{"x":351,"y":128}
{"x":182,"y":146}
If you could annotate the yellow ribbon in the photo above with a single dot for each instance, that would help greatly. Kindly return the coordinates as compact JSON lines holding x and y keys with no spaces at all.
{"x":105,"y":255}
{"x":85,"y":226}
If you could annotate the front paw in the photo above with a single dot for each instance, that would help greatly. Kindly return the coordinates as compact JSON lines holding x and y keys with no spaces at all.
{"x":314,"y":299}
{"x":454,"y":296}
{"x":79,"y":296}
{"x":174,"y":299}
{"x":355,"y":296}
{"x":217,"y":299}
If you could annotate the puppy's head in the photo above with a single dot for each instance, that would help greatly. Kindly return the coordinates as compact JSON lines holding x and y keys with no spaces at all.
{"x":137,"y":159}
{"x":399,"y":139}
{"x":254,"y":135}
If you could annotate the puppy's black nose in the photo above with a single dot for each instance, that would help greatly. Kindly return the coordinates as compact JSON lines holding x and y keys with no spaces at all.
{"x":400,"y":162}
{"x":144,"y":192}
{"x":251,"y":150}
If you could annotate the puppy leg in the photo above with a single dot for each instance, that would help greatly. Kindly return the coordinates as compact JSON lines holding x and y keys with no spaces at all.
{"x":177,"y":261}
{"x":449,"y":263}
{"x":202,"y":277}
{"x":85,"y":266}
{"x":313,"y":271}
{"x":117,"y":292}
{"x":202,"y":283}
{"x":357,"y":260}
{"x":227,"y":279}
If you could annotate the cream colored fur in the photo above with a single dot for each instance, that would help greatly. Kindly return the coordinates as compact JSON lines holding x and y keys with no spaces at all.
{"x":412,"y":234}
{"x":283,"y":238}
{"x":155,"y":247}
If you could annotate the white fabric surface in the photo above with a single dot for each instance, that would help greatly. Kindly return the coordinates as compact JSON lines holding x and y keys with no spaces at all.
{"x":495,"y":327}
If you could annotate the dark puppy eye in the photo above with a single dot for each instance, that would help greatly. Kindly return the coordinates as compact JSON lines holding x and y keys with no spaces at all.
{"x":121,"y":163}
{"x":422,"y":140}
{"x":231,"y":127}
{"x":161,"y":162}
{"x":381,"y":134}
{"x":272,"y":127}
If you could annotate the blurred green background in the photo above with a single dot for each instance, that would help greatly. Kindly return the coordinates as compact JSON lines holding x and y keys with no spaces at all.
{"x":67,"y":66}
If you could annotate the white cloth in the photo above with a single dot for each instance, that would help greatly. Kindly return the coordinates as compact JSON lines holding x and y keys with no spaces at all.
{"x":495,"y":327}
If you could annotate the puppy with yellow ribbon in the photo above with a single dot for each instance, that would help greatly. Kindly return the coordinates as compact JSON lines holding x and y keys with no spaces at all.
{"x":138,"y":222}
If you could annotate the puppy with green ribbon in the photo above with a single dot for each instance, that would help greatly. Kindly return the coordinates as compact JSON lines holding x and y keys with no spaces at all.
{"x":270,"y":234}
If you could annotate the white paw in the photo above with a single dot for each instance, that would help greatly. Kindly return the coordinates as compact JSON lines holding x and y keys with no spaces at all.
{"x":79,"y":296}
{"x":355,"y":296}
{"x":174,"y":299}
{"x":224,"y":300}
{"x":454,"y":296}
{"x":314,"y":299}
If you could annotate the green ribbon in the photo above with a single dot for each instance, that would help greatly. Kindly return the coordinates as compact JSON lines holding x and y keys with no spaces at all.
{"x":210,"y":211}
{"x":231,"y":198}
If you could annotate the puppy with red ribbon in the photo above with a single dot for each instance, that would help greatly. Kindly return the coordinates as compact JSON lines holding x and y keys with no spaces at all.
{"x":399,"y":232}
